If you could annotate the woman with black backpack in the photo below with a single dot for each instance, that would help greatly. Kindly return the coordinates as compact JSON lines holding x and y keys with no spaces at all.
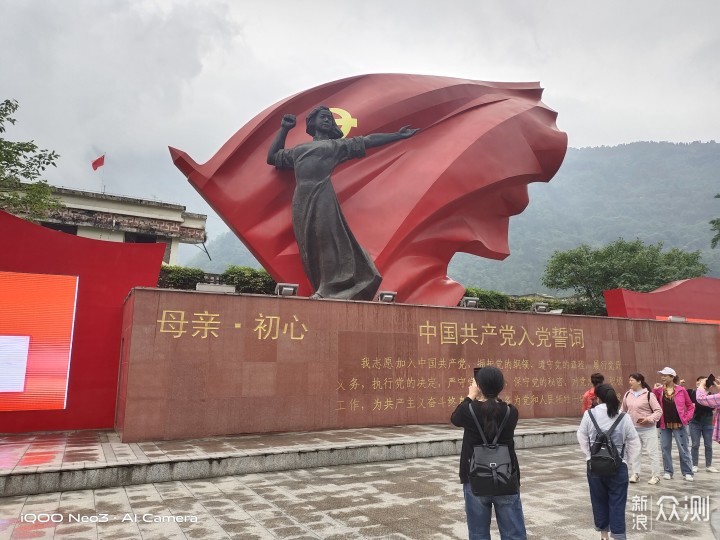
{"x":608,"y":484}
{"x":483,"y":409}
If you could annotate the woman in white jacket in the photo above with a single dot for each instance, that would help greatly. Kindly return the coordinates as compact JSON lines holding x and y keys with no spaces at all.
{"x":608,"y":494}
{"x":643,"y":407}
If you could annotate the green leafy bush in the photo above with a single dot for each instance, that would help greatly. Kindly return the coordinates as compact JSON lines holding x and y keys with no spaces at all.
{"x":496,"y":300}
{"x":248,"y":280}
{"x":180,"y":277}
{"x":489,"y":299}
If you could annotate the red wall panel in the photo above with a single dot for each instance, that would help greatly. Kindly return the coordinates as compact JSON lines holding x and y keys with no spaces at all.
{"x":106,"y":272}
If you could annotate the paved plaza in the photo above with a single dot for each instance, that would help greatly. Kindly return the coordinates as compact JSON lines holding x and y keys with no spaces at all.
{"x":412,"y":499}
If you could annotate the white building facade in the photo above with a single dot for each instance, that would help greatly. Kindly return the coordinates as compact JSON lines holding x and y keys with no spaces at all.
{"x":117,"y":218}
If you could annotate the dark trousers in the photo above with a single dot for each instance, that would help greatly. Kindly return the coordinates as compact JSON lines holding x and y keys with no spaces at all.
{"x":608,"y":495}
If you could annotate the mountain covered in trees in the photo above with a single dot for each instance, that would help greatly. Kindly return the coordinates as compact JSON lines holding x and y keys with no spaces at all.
{"x":653,"y":191}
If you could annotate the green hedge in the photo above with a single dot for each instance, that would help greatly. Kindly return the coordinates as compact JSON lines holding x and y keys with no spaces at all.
{"x":496,"y":300}
{"x":248,"y":280}
{"x":180,"y":277}
{"x":253,"y":281}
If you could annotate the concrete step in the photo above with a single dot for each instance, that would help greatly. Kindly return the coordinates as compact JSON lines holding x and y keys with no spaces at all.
{"x":51,"y":462}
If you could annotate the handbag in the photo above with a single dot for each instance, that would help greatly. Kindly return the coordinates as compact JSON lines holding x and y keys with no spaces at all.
{"x":491,"y":468}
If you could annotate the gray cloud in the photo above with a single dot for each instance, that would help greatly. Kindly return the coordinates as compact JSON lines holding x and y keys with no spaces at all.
{"x":130,"y":77}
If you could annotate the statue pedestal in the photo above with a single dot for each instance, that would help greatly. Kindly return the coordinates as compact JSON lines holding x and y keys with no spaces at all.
{"x":198,"y":364}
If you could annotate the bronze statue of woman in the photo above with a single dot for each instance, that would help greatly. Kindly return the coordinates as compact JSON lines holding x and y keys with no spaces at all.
{"x":334,"y":262}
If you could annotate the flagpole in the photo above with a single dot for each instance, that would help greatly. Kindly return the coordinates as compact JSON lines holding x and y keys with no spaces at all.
{"x":102,"y":177}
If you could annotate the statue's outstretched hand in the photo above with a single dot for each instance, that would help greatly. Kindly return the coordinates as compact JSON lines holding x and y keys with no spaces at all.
{"x":406,"y":132}
{"x":288,"y":121}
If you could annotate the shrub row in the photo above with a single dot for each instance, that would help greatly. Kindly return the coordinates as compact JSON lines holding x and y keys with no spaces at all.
{"x":496,"y":300}
{"x":244,"y":278}
{"x":253,"y":281}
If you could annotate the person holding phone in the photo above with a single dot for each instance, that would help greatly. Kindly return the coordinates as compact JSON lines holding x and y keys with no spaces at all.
{"x":709,"y":395}
{"x":483,"y":397}
{"x":701,"y":426}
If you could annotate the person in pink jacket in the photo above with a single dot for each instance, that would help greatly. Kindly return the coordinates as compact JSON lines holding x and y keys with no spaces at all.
{"x":711,"y":398}
{"x":644,"y":410}
{"x":678,"y":410}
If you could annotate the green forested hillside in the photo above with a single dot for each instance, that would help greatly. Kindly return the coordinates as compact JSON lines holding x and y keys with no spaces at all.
{"x":658,"y":192}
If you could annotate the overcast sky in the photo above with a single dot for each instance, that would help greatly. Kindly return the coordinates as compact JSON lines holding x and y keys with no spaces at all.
{"x":129,"y":77}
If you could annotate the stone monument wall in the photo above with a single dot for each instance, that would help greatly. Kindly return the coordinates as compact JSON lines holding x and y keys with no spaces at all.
{"x":198,"y":364}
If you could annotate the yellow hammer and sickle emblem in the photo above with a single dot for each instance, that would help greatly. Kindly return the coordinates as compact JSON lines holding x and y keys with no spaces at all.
{"x":346,"y":122}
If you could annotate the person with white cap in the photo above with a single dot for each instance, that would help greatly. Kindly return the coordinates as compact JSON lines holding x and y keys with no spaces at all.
{"x":678,"y":410}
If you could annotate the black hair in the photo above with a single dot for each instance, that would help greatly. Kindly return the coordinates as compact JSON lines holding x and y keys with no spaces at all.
{"x":491,"y":382}
{"x":639,"y":377}
{"x":336,"y":132}
{"x":607,"y":395}
{"x":597,"y":378}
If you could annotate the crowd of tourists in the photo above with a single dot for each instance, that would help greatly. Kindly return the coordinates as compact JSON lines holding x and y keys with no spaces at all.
{"x":615,"y":431}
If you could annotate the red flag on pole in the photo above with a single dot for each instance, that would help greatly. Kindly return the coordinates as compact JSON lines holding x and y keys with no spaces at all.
{"x":99,"y":162}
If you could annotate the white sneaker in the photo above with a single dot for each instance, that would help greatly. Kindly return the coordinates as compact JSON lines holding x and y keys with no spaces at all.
{"x":694,"y":468}
{"x":654,"y":480}
{"x":689,"y":478}
{"x":711,"y":469}
{"x":634,"y":478}
{"x":667,"y":476}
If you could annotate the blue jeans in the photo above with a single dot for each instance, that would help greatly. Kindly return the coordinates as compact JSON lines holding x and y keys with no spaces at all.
{"x":508,"y":512}
{"x":608,"y":495}
{"x":706,"y":430}
{"x":681,"y":440}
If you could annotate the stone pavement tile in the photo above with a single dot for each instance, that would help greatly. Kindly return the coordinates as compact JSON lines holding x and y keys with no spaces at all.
{"x":160,"y":531}
{"x":10,"y":510}
{"x":247,"y":530}
{"x":76,"y":531}
{"x":145,"y":493}
{"x":33,"y":530}
{"x":173,"y":490}
{"x":417,"y":499}
{"x":202,"y":487}
{"x":121,"y":519}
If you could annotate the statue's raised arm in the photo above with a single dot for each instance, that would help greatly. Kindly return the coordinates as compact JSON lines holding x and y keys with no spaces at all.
{"x":288,"y":122}
{"x":378,"y":139}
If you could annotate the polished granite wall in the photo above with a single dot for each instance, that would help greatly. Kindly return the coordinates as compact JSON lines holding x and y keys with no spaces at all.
{"x":197,"y":364}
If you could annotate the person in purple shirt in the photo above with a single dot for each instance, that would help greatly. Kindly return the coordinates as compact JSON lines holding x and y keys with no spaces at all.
{"x":710,"y":398}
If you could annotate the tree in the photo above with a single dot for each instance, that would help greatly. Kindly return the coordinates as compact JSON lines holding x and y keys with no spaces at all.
{"x":716,"y":228}
{"x":620,"y":264}
{"x":22,"y":190}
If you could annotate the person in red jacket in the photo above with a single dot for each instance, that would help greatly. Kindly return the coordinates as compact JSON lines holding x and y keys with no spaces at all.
{"x":589,"y":399}
{"x":678,"y":410}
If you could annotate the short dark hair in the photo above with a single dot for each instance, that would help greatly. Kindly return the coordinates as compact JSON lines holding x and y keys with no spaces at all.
{"x":597,"y":378}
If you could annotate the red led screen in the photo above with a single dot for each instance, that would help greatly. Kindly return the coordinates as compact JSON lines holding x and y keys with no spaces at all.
{"x":37,"y":315}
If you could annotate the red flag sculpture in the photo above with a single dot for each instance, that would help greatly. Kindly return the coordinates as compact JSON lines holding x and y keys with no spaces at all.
{"x":411,"y":205}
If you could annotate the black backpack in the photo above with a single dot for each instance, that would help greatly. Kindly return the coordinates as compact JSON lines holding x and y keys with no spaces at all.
{"x":491,"y":468}
{"x":605,"y":460}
